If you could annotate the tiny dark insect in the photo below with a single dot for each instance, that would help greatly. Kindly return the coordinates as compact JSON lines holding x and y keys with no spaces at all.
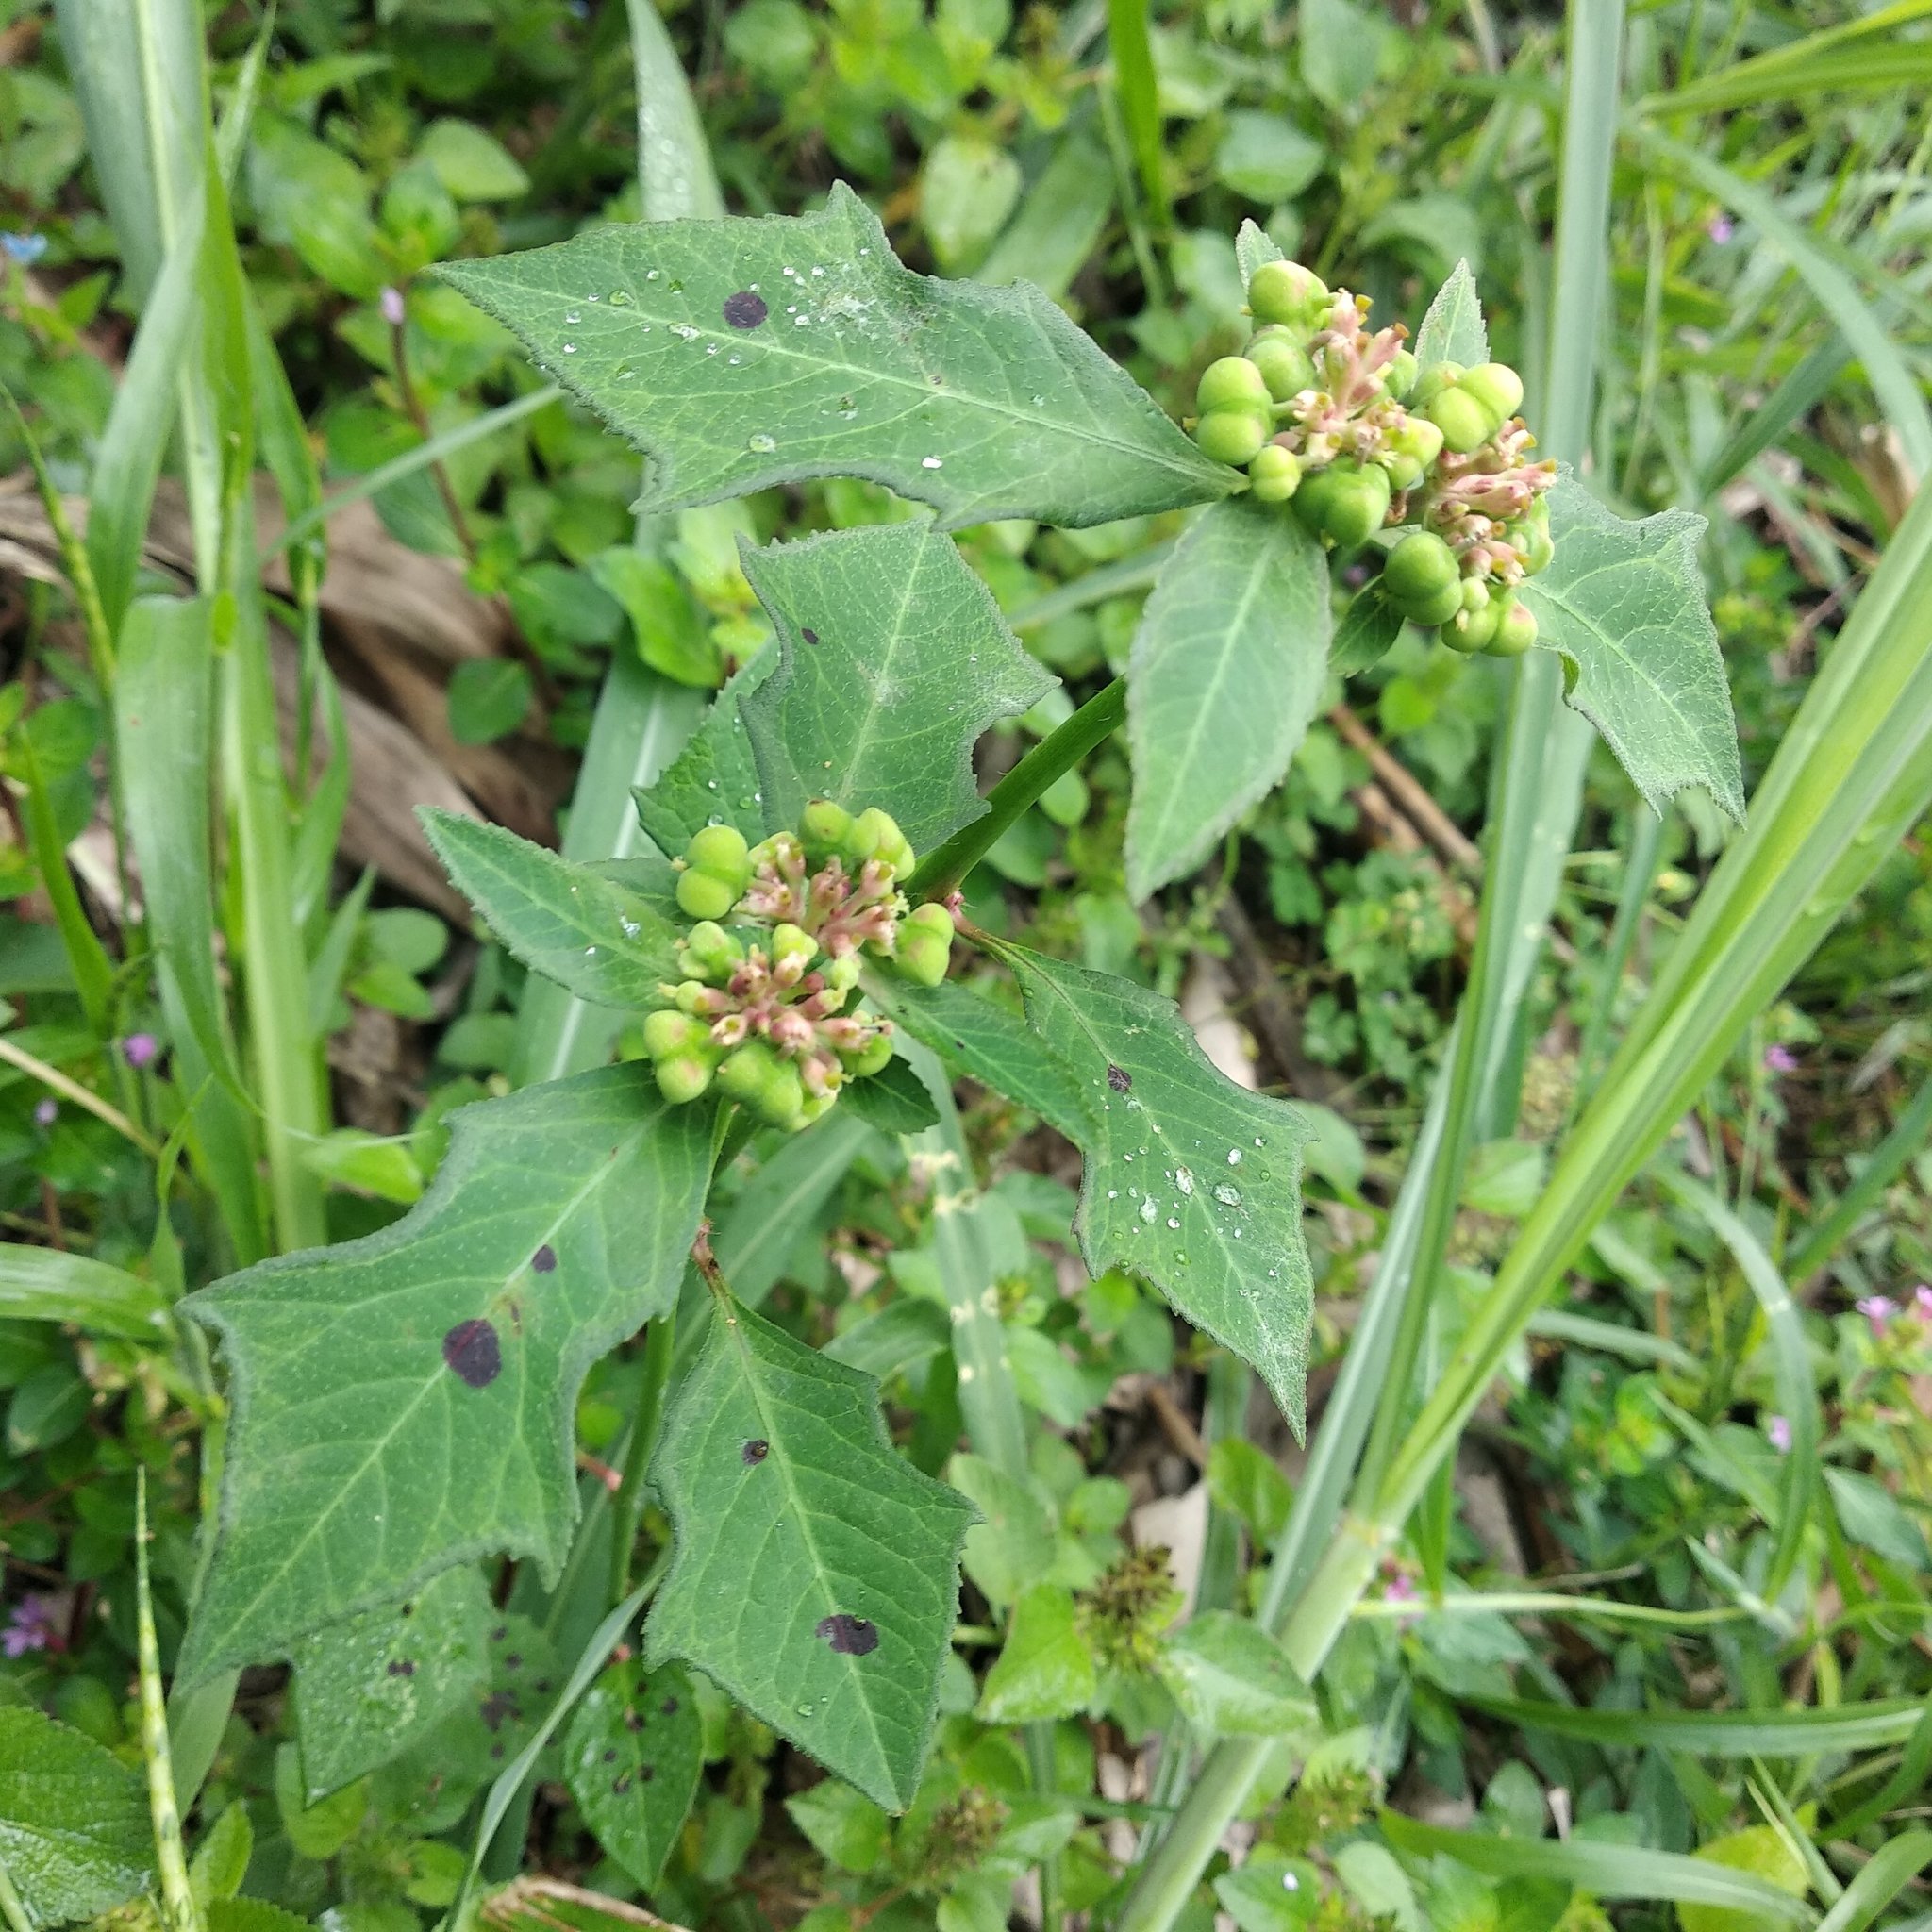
{"x":810,"y":636}
{"x":848,"y":1635}
{"x":471,"y":1349}
{"x":401,"y":1667}
{"x":1119,"y":1079}
{"x":756,"y":1450}
{"x":745,"y":309}
{"x":545,"y":1259}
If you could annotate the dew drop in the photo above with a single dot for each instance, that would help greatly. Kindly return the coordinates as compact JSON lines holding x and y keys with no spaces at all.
{"x":1184,"y":1180}
{"x":1148,"y":1210}
{"x":807,"y":1709}
{"x":1173,"y":1222}
{"x":1228,"y":1196}
{"x":570,"y":348}
{"x":571,"y":315}
{"x":930,"y":462}
{"x":1234,"y":1156}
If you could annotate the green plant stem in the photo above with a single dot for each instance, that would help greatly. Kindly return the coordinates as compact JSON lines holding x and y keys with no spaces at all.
{"x":1640,"y":876}
{"x":1885,"y":1164}
{"x":179,"y":1911}
{"x":647,"y":1416}
{"x":10,"y":1907}
{"x":944,"y":866}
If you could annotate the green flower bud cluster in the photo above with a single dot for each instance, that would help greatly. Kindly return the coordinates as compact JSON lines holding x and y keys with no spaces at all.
{"x":1342,"y":427}
{"x":782,"y":928}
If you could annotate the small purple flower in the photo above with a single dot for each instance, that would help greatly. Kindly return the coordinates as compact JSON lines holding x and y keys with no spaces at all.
{"x":1780,"y":1060}
{"x":392,"y":300}
{"x":1720,"y":228}
{"x":1779,"y":1429}
{"x":1878,"y":1310}
{"x":48,"y":1113}
{"x":24,"y":249}
{"x":31,"y":1627}
{"x":1400,"y":1588}
{"x":1921,"y":1300}
{"x":139,"y":1050}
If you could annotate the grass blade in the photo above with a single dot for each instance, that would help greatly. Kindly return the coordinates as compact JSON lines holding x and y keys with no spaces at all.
{"x":179,"y":1911}
{"x":1140,"y":96}
{"x":1886,"y":1163}
{"x":1896,"y":1866}
{"x":1733,"y":1735}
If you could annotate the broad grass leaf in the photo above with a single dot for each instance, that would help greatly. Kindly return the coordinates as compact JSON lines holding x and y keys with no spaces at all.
{"x":370,"y":1687}
{"x":1453,"y":330}
{"x":1624,"y":604}
{"x":75,"y":1836}
{"x":572,"y":924}
{"x":631,"y":1757}
{"x":404,"y":1403}
{"x":1190,"y":1181}
{"x":779,"y":1206}
{"x":893,"y":659}
{"x":745,"y":353}
{"x":1228,"y":668}
{"x":814,"y":1572}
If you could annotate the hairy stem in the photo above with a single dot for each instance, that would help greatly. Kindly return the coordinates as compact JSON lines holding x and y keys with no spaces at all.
{"x":1055,"y":755}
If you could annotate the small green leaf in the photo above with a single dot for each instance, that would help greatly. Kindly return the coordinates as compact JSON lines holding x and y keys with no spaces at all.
{"x":1624,"y":604}
{"x":1268,"y":1891}
{"x":252,"y":1915}
{"x":631,"y":1757}
{"x":471,"y":164}
{"x":368,"y":1688}
{"x":743,"y":353}
{"x":1227,"y":668}
{"x":1366,"y":634}
{"x":373,"y":1164}
{"x":966,"y":192}
{"x":570,"y":923}
{"x":674,"y":635}
{"x":221,"y":1859}
{"x":992,"y":1043}
{"x":1453,"y":330}
{"x":1253,"y":245}
{"x":75,"y":1836}
{"x":1012,"y":1546}
{"x":894,"y":1100}
{"x":714,"y":779}
{"x":1760,"y":1850}
{"x":489,"y":697}
{"x":1044,"y":1670}
{"x":1248,"y":1481}
{"x":321,"y":1829}
{"x":893,"y":659}
{"x":844,"y":1826}
{"x":50,"y":1284}
{"x":1190,"y":1181}
{"x":1229,"y":1677}
{"x":814,"y":1573}
{"x":403,"y":1403}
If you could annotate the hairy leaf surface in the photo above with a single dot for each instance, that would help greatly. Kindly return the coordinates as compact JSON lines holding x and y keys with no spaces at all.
{"x":631,"y":1759}
{"x":1624,"y":604}
{"x":714,"y":777}
{"x":570,"y":923}
{"x":1366,"y":634}
{"x":1190,"y":1181}
{"x":371,"y":1686}
{"x":74,"y":1827}
{"x":1453,"y":330}
{"x":814,"y":1572}
{"x":743,"y":353}
{"x":892,"y":660}
{"x":404,"y":1402}
{"x":1226,"y":671}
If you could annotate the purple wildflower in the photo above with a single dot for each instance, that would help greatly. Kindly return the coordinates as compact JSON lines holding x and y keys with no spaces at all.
{"x":1400,"y":1588}
{"x":392,"y":300}
{"x":1779,"y":1429}
{"x":31,"y":1627}
{"x":47,"y":1112}
{"x":1921,"y":1300}
{"x":1878,"y":1310}
{"x":1720,"y":228}
{"x":1780,"y":1060}
{"x":24,"y":249}
{"x":139,"y":1050}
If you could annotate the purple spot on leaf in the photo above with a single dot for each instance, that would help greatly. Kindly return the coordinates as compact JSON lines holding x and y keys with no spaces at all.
{"x":545,"y":1259}
{"x":471,"y":1348}
{"x":848,"y":1635}
{"x":745,"y":309}
{"x":754,"y":1452}
{"x":810,"y":636}
{"x":1119,"y":1079}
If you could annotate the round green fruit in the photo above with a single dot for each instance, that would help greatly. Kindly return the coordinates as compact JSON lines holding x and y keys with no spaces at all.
{"x":1466,"y":423}
{"x":1286,"y":292}
{"x":824,"y":829}
{"x":1233,"y":435}
{"x":1286,"y":368}
{"x":1232,"y":383}
{"x":1471,"y":630}
{"x":668,"y":1032}
{"x":682,"y":1078}
{"x":720,"y":849}
{"x":1275,"y":474}
{"x":1343,"y":504}
{"x":1400,"y":376}
{"x":1432,"y":381}
{"x":1515,"y":631}
{"x":872,"y":1057}
{"x":1420,"y":568}
{"x":1496,"y":386}
{"x":704,"y":895}
{"x":1432,"y":613}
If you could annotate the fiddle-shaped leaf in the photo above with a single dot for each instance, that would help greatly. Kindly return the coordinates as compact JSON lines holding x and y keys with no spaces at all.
{"x":814,"y":1572}
{"x":749,"y":351}
{"x":714,"y":779}
{"x":1624,"y":605}
{"x":1190,"y":1181}
{"x":1228,"y":668}
{"x":573,"y":923}
{"x":893,"y":659}
{"x":405,"y":1402}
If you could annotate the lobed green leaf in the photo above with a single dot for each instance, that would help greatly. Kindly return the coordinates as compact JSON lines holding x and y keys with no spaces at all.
{"x":745,"y":353}
{"x":404,"y":1403}
{"x":75,"y":1836}
{"x":714,"y":779}
{"x":631,"y":1757}
{"x":814,"y":1572}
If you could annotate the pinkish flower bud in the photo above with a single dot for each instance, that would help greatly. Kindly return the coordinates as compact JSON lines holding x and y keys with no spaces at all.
{"x":393,"y":311}
{"x":1780,"y":1060}
{"x":139,"y":1050}
{"x":47,"y":1112}
{"x":1878,"y":1310}
{"x":1778,"y":1428}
